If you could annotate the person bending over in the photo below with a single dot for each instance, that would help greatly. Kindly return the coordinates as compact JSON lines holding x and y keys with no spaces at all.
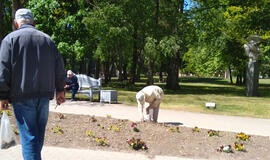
{"x":153,"y":96}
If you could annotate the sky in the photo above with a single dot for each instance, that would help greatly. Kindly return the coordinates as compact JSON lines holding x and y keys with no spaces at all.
{"x":189,"y":3}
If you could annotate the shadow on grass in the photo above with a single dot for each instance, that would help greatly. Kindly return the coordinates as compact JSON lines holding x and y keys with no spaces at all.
{"x":203,"y":80}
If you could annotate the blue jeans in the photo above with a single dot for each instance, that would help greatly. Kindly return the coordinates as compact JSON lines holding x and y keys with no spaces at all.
{"x":31,"y":117}
{"x":74,"y":90}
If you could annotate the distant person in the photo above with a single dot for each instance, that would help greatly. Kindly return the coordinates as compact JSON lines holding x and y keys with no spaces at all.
{"x":153,"y":96}
{"x":72,"y":84}
{"x":31,"y":70}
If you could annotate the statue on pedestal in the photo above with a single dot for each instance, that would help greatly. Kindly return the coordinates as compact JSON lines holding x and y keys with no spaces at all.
{"x":252,"y":50}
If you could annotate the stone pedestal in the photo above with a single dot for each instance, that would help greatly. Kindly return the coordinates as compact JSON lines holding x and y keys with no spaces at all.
{"x":108,"y":96}
{"x":252,"y":78}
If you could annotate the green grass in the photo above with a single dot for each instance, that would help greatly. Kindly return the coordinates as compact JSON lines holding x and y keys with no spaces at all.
{"x":194,"y":92}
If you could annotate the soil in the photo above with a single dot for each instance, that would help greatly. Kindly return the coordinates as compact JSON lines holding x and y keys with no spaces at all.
{"x":160,"y":139}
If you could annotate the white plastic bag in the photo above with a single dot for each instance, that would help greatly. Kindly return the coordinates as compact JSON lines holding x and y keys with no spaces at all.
{"x":7,"y":136}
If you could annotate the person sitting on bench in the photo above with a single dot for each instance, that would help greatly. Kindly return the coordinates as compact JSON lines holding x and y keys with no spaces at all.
{"x":72,"y":84}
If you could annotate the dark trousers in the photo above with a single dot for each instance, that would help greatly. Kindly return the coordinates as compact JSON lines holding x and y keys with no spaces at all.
{"x":74,"y":90}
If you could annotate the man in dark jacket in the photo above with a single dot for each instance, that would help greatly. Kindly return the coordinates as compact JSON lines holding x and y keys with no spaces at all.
{"x":72,"y":84}
{"x":31,"y":69}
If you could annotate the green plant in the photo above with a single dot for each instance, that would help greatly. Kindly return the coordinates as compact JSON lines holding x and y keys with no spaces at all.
{"x":93,"y":119}
{"x":243,"y":137}
{"x":135,"y":129}
{"x":15,"y":130}
{"x":100,"y":126}
{"x":102,"y":141}
{"x":88,"y":133}
{"x":226,"y":149}
{"x":122,"y":124}
{"x":176,"y":129}
{"x":57,"y":130}
{"x":114,"y":128}
{"x":7,"y":111}
{"x":213,"y":133}
{"x":195,"y":129}
{"x":239,"y":147}
{"x":136,"y":144}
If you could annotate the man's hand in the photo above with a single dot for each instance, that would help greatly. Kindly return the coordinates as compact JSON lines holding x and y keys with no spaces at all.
{"x":4,"y":104}
{"x":66,"y":86}
{"x":60,"y":97}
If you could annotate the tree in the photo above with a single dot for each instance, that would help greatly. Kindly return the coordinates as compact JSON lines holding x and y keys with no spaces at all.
{"x":172,"y":20}
{"x":222,"y":28}
{"x":139,"y":16}
{"x":151,"y":55}
{"x":62,"y":20}
{"x":5,"y":18}
{"x":106,"y":24}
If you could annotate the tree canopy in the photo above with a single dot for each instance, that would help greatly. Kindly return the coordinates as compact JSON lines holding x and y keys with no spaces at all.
{"x":128,"y":38}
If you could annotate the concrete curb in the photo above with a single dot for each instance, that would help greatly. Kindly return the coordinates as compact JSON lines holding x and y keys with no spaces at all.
{"x":57,"y":153}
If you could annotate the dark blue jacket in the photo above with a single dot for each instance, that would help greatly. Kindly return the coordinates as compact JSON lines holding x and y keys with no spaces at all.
{"x":73,"y":82}
{"x":30,"y":65}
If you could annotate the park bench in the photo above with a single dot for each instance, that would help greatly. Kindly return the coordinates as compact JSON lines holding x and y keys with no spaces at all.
{"x":89,"y":86}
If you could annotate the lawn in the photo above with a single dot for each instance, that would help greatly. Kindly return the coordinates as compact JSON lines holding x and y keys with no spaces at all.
{"x":194,"y":92}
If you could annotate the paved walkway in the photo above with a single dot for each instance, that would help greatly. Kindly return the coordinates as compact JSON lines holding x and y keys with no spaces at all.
{"x":253,"y":126}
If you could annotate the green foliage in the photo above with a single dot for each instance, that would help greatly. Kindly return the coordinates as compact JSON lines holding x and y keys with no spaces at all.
{"x":5,"y":19}
{"x":169,"y":46}
{"x":62,"y":21}
{"x":151,"y":50}
{"x":210,"y":36}
{"x":222,"y":28}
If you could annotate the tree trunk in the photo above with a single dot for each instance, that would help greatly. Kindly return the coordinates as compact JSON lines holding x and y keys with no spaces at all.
{"x":181,"y":6}
{"x":97,"y":68}
{"x":120,"y":65}
{"x":173,"y":68}
{"x":150,"y":74}
{"x":125,"y":75}
{"x":82,"y":67}
{"x":106,"y":71}
{"x":160,"y":76}
{"x":140,"y":67}
{"x":241,"y":79}
{"x":238,"y":80}
{"x":244,"y":76}
{"x":135,"y":55}
{"x":72,"y":61}
{"x":141,"y":57}
{"x":230,"y":71}
{"x":157,"y":14}
{"x":157,"y":37}
{"x":172,"y":79}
